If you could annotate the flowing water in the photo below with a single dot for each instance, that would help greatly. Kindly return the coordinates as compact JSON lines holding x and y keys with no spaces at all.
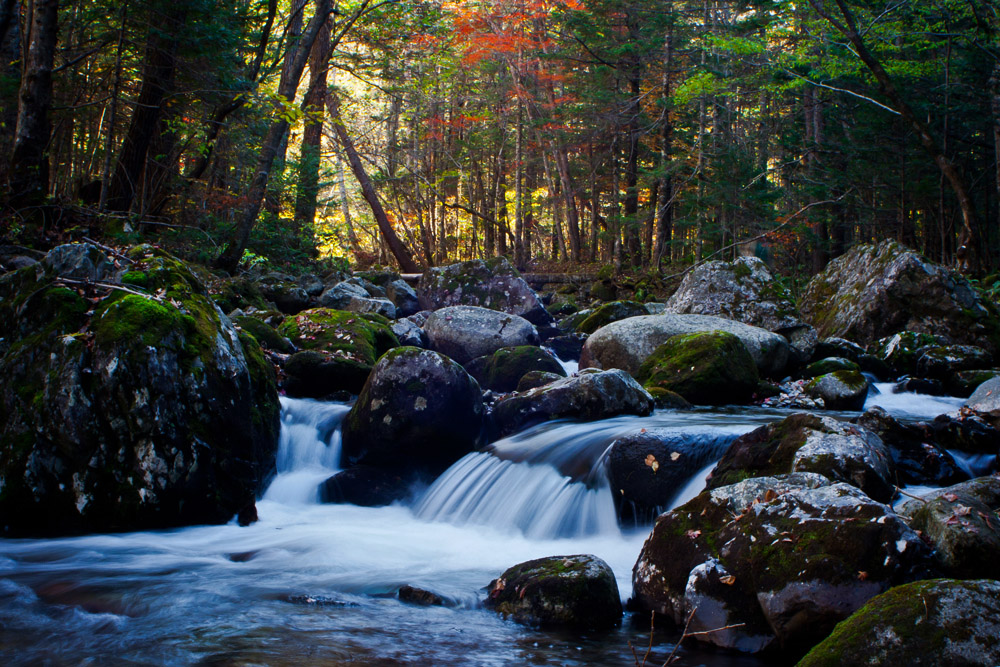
{"x":315,"y":584}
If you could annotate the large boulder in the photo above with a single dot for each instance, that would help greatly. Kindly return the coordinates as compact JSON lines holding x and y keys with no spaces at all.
{"x":466,"y":332}
{"x":502,"y":371}
{"x":418,"y":410}
{"x":874,"y":291}
{"x":627,"y":343}
{"x":493,"y":283}
{"x":840,"y":390}
{"x":807,"y":443}
{"x":128,"y":408}
{"x":339,"y":350}
{"x":577,"y":593}
{"x":986,"y":398}
{"x":743,"y":290}
{"x":776,"y":569}
{"x":706,"y":368}
{"x":586,"y":397}
{"x":923,"y":624}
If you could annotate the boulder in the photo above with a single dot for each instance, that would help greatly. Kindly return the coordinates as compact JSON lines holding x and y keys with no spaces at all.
{"x":609,"y":312}
{"x":986,"y":398}
{"x":648,"y":468}
{"x":286,"y":295}
{"x":466,"y":332}
{"x":922,"y":624}
{"x":534,"y":379}
{"x":838,"y":347}
{"x":963,"y":523}
{"x":586,"y":397}
{"x":418,"y":410}
{"x":627,"y":343}
{"x":840,"y":390}
{"x":408,"y":333}
{"x":941,"y":362}
{"x":874,"y":291}
{"x":503,"y":370}
{"x":493,"y":283}
{"x":900,"y":351}
{"x":787,"y":564}
{"x":577,"y":593}
{"x":807,"y":443}
{"x":965,"y":431}
{"x":568,"y":347}
{"x":367,"y":486}
{"x":403,"y":297}
{"x":744,"y":290}
{"x":828,"y":365}
{"x":916,"y":458}
{"x":963,"y":383}
{"x":706,"y":368}
{"x":352,"y":297}
{"x":127,"y":410}
{"x":340,"y":349}
{"x":264,"y":333}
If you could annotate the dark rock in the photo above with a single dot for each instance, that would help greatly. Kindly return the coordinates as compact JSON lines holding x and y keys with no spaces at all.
{"x":919,"y":386}
{"x":418,"y":410}
{"x":916,"y":457}
{"x":286,"y":295}
{"x":366,"y":486}
{"x":828,"y":365}
{"x":901,"y":351}
{"x":875,"y":291}
{"x":421,"y":597}
{"x":610,"y":312}
{"x":923,"y":624}
{"x":491,"y":284}
{"x":408,"y":333}
{"x":787,"y":564}
{"x":265,"y":334}
{"x":403,"y":297}
{"x":587,"y":397}
{"x":627,"y":343}
{"x":706,"y":368}
{"x":535,"y":379}
{"x":838,"y":347}
{"x":467,"y":332}
{"x":567,"y":347}
{"x":966,"y":431}
{"x":665,"y":399}
{"x":963,"y":383}
{"x":503,"y":370}
{"x":78,"y":261}
{"x":940,"y":362}
{"x":807,"y":443}
{"x":354,"y":298}
{"x":840,"y":390}
{"x":311,"y":284}
{"x":127,"y":412}
{"x":373,"y":290}
{"x":577,"y":593}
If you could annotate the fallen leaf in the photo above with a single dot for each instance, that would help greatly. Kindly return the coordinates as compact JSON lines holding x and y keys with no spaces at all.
{"x":770,"y":495}
{"x":862,"y":575}
{"x":652,"y":462}
{"x":950,"y":497}
{"x":693,"y":534}
{"x":728,"y":579}
{"x":674,"y":456}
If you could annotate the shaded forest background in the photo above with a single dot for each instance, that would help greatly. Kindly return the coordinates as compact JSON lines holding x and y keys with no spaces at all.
{"x":642,"y":135}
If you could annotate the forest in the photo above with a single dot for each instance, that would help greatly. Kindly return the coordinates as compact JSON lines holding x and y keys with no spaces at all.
{"x":566,"y":134}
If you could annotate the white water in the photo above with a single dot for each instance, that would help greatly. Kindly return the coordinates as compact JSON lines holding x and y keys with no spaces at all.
{"x":311,"y":583}
{"x":908,"y":405}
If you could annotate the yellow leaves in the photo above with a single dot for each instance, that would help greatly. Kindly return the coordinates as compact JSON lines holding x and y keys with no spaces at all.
{"x":652,"y":462}
{"x":727,"y":579}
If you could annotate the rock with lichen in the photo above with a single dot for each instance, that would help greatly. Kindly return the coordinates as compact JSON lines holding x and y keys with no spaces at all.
{"x":840,"y":390}
{"x":466,"y":332}
{"x":492,"y":283}
{"x":128,"y":404}
{"x":502,"y":371}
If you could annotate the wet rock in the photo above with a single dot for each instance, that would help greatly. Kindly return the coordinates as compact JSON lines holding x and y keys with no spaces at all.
{"x":567,"y":347}
{"x":421,"y":597}
{"x":986,"y":398}
{"x":408,"y":333}
{"x":366,"y":486}
{"x":339,"y":350}
{"x":829,"y":365}
{"x":503,"y":370}
{"x":706,"y":368}
{"x":491,"y":284}
{"x":609,"y":312}
{"x":417,"y":410}
{"x":901,"y":351}
{"x":627,"y":343}
{"x":941,"y":362}
{"x":807,"y":443}
{"x":792,"y":395}
{"x":744,"y":290}
{"x":918,"y":386}
{"x":466,"y":332}
{"x":875,"y":291}
{"x":647,"y":469}
{"x":963,"y":523}
{"x":965,"y":431}
{"x":351,"y":297}
{"x":916,"y":457}
{"x":665,"y":399}
{"x":586,"y":397}
{"x":787,"y":565}
{"x":963,"y":383}
{"x":535,"y":379}
{"x":127,"y":412}
{"x":838,"y":347}
{"x":936,"y":622}
{"x":265,"y":334}
{"x":840,"y":390}
{"x":577,"y":593}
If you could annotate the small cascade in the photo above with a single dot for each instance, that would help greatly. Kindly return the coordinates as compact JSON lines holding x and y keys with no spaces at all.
{"x":974,"y":465}
{"x":910,"y":405}
{"x":308,"y":450}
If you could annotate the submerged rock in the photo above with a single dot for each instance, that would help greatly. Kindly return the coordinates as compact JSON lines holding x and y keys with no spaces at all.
{"x":807,"y":443}
{"x":627,"y":343}
{"x":935,"y":622}
{"x":875,"y":291}
{"x":367,"y":486}
{"x":577,"y":593}
{"x":466,"y":332}
{"x":130,"y":409}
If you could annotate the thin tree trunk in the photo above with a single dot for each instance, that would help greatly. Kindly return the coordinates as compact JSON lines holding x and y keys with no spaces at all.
{"x":113,"y":112}
{"x":665,"y":199}
{"x":314,"y":106}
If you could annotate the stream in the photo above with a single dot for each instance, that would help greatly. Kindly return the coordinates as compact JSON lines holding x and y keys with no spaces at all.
{"x":315,"y":584}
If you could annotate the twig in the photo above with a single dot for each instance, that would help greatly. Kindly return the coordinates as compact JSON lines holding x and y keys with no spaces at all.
{"x":108,"y":249}
{"x":708,"y":632}
{"x":112,"y":286}
{"x":910,"y":495}
{"x":677,"y":646}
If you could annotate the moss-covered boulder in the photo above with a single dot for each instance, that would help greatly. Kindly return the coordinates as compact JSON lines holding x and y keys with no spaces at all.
{"x":466,"y":332}
{"x":419,"y":410}
{"x":340,"y":349}
{"x":901,"y":351}
{"x":941,"y":362}
{"x":586,"y":397}
{"x":829,"y":365}
{"x":840,"y":390}
{"x":492,"y":283}
{"x":963,"y":523}
{"x":627,"y":343}
{"x":577,"y":593}
{"x":807,"y":443}
{"x":744,"y":290}
{"x":916,"y":457}
{"x":265,"y":334}
{"x":963,"y":383}
{"x":610,"y":312}
{"x":503,"y":370}
{"x":925,"y":623}
{"x":874,"y":291}
{"x":706,"y":368}
{"x":787,"y":564}
{"x":126,"y":408}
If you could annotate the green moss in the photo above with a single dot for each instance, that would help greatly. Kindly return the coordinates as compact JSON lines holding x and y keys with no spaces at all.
{"x":508,"y":365}
{"x":712,"y":368}
{"x":766,"y":451}
{"x":264,"y":334}
{"x":135,"y":319}
{"x":610,"y":312}
{"x":363,"y":339}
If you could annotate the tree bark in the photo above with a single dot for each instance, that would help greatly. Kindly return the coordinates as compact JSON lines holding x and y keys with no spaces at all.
{"x":314,"y":106}
{"x":665,"y":199}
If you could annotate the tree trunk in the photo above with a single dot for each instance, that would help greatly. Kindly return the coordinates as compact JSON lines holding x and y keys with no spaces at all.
{"x":314,"y":106}
{"x":665,"y":199}
{"x":29,"y":169}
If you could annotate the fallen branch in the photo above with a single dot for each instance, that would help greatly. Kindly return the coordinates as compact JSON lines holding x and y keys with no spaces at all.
{"x":108,"y":250}
{"x":111,"y":286}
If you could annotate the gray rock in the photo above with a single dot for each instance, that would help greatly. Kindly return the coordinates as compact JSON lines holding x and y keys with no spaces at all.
{"x":373,"y":290}
{"x":840,"y":390}
{"x":489,"y":284}
{"x":78,"y":261}
{"x":403,"y":296}
{"x":409,"y":333}
{"x":352,"y":297}
{"x":312,"y":284}
{"x":627,"y":343}
{"x":466,"y":332}
{"x":986,"y":398}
